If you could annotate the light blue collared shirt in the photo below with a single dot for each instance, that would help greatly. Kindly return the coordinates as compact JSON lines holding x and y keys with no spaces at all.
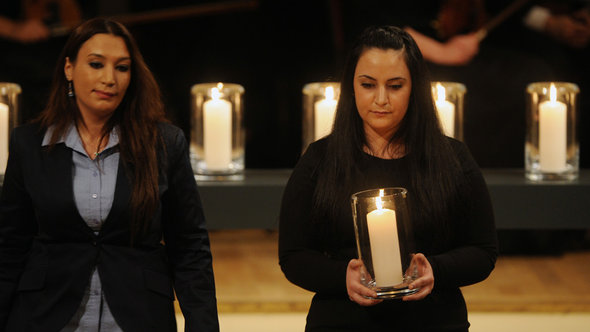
{"x":94,"y":189}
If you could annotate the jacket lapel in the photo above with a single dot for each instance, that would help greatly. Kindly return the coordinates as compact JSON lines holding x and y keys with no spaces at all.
{"x":58,"y":186}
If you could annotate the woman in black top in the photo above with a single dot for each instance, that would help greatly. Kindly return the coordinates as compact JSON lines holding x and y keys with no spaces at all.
{"x":386,"y":134}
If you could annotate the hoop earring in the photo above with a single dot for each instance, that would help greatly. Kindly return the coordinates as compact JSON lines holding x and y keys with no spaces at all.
{"x":70,"y":89}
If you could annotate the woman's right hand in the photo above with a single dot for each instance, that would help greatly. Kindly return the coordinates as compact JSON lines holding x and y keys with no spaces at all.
{"x":357,"y":292}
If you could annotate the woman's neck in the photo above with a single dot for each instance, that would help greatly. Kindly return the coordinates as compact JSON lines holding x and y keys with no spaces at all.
{"x":91,"y":133}
{"x":381,"y":147}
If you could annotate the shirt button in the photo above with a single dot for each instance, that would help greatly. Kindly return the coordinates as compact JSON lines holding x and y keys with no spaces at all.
{"x":95,"y":174}
{"x":94,"y":195}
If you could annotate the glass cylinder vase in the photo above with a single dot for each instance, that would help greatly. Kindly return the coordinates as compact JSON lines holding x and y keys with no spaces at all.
{"x":449,"y":98}
{"x":319,"y":109}
{"x":217,"y":130}
{"x":9,"y":104}
{"x":551,"y":144}
{"x":385,"y":241}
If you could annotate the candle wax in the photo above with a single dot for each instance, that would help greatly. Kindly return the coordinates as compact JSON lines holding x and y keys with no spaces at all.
{"x":4,"y":137}
{"x":217,"y":132}
{"x":552,"y":136}
{"x":446,"y":115}
{"x":324,"y":117}
{"x":387,"y":266}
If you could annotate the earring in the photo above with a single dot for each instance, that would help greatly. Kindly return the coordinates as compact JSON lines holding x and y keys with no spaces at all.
{"x":70,"y":89}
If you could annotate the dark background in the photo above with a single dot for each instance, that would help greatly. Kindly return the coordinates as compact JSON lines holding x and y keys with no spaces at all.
{"x":275,"y":47}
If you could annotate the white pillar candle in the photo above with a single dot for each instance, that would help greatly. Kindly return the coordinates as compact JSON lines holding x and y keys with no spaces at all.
{"x":446,"y":111}
{"x":552,"y":133}
{"x":324,"y":111}
{"x":387,"y":264}
{"x":217,"y":131}
{"x":4,"y":136}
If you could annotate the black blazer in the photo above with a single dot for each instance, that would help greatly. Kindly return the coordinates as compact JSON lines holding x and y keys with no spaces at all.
{"x":47,"y":252}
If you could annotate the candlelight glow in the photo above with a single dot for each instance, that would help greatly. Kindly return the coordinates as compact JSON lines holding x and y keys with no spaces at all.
{"x":441,"y":92}
{"x":329,"y":93}
{"x":378,"y":200}
{"x":215,"y":94}
{"x":552,"y":93}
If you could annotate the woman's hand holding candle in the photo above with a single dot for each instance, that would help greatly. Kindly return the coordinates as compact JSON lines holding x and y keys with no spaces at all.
{"x":357,"y":292}
{"x":425,"y":281}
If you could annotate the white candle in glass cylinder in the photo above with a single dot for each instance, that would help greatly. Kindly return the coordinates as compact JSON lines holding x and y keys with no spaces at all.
{"x":446,"y":111}
{"x":552,"y":133}
{"x":4,"y":118}
{"x":217,"y":131}
{"x":324,"y":111}
{"x":387,"y":264}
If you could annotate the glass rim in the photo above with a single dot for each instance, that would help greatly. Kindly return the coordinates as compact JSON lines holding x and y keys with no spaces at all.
{"x":388,"y":191}
{"x":13,"y":87}
{"x":312,"y":86}
{"x":451,"y":85}
{"x":200,"y":87}
{"x":531,"y":87}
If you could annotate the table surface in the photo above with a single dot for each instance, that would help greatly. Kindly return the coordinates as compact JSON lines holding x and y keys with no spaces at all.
{"x":518,"y":203}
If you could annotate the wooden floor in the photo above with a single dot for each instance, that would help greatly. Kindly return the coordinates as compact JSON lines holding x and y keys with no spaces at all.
{"x":249,"y":279}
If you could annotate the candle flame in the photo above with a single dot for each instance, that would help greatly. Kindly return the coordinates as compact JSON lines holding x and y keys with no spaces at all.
{"x":378,"y":200}
{"x":329,"y":93}
{"x":552,"y":93}
{"x":215,"y":94}
{"x":379,"y":203}
{"x":220,"y":86}
{"x":441,"y":92}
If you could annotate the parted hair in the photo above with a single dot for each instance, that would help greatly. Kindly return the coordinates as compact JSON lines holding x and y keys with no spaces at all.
{"x":136,"y":117}
{"x":432,"y":163}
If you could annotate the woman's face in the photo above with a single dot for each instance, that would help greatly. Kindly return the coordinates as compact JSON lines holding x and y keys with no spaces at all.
{"x":382,"y":88}
{"x":100,"y":74}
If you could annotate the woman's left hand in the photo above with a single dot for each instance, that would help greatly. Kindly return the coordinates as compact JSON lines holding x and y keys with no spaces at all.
{"x":425,"y":281}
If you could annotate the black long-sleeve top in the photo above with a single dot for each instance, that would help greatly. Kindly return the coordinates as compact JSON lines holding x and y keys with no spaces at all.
{"x":314,"y":255}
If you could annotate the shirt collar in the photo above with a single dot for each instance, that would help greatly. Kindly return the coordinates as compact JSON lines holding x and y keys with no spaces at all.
{"x":71,"y":138}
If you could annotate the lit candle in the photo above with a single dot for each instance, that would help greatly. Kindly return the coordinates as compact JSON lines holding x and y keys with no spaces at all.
{"x":3,"y":137}
{"x":387,"y":264}
{"x":552,"y":133}
{"x":446,"y":111}
{"x":217,"y":131}
{"x":324,"y":113}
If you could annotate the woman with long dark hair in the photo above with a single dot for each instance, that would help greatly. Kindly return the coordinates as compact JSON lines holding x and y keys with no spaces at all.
{"x":386,"y":134}
{"x":101,"y":221}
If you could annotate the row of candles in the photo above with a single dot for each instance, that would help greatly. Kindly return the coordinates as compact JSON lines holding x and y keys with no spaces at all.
{"x":218,"y":141}
{"x":551,"y":147}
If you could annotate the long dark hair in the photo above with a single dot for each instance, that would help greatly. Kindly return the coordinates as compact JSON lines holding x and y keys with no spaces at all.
{"x":432,"y":163}
{"x":136,"y":117}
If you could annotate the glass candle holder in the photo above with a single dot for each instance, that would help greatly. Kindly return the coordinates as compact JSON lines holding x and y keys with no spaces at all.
{"x":319,"y":109}
{"x":385,"y":241}
{"x":9,"y":103}
{"x":551,"y":144}
{"x":449,"y":98}
{"x":217,"y":130}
